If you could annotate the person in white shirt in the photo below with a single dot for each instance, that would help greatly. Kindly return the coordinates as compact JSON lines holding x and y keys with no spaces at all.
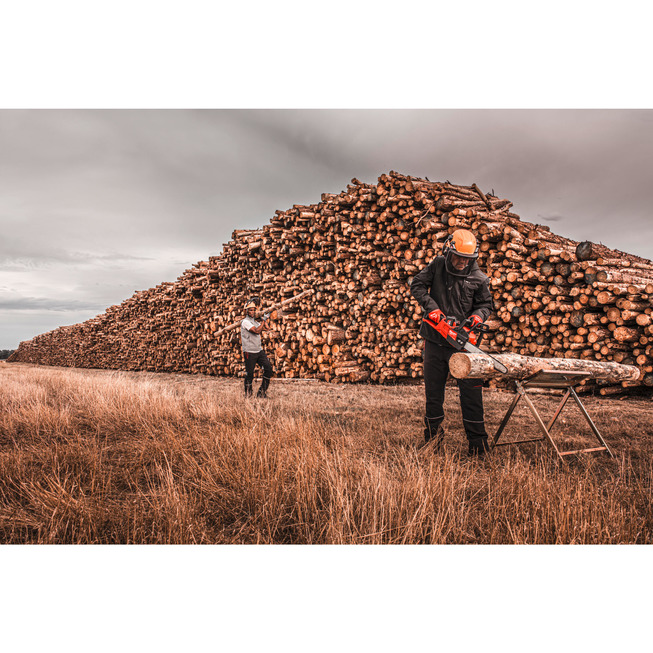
{"x":253,"y":354}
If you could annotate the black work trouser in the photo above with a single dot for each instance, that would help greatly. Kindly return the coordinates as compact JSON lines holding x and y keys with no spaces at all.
{"x":436,"y":371}
{"x":251,"y":361}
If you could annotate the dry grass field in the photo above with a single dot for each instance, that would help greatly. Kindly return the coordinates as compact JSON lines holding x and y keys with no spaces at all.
{"x":90,"y":456}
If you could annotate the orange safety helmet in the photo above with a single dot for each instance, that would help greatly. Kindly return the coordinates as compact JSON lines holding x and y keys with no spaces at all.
{"x":462,"y":243}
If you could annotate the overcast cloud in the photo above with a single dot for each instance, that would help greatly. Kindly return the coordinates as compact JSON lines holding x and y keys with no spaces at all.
{"x":95,"y":205}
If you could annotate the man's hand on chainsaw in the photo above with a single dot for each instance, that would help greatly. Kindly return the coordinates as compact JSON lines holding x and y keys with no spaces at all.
{"x":475,"y":320}
{"x":436,"y":315}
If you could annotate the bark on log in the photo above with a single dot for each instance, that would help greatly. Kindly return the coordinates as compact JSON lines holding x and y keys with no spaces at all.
{"x":477,"y":366}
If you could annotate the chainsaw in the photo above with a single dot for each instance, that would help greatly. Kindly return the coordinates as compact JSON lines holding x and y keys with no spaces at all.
{"x":463,"y":337}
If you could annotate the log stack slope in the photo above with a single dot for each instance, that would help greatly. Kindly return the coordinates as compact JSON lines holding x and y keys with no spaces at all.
{"x":358,"y":251}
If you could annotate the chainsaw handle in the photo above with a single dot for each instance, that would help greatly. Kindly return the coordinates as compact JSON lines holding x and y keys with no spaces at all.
{"x":436,"y":316}
{"x":475,"y":323}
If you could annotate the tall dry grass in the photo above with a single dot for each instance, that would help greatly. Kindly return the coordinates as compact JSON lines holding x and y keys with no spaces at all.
{"x":111,"y":457}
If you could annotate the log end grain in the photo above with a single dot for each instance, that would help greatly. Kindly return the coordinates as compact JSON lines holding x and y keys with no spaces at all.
{"x":586,"y":251}
{"x":460,"y":366}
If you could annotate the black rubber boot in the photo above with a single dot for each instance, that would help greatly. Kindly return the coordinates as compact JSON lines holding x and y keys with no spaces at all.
{"x":263,"y":389}
{"x":478,"y":447}
{"x":248,"y":389}
{"x":433,"y":433}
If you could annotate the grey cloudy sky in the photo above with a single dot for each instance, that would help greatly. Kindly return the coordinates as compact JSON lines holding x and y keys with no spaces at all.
{"x":96,"y":204}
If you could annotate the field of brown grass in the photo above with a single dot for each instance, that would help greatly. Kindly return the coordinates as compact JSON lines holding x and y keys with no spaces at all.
{"x":91,"y":456}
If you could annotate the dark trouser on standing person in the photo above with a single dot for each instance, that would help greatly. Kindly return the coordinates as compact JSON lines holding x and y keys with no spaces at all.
{"x":436,"y":371}
{"x":251,"y":361}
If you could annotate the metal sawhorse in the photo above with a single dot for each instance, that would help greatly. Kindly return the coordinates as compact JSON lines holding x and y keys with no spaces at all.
{"x":559,"y":380}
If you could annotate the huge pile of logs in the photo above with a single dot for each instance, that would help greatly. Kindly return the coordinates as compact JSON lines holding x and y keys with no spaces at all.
{"x":358,"y":251}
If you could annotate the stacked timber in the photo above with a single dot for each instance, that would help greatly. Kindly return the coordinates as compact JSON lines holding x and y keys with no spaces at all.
{"x":357,"y":251}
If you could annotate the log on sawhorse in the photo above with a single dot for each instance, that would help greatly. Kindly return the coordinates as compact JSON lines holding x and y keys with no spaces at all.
{"x":562,"y":380}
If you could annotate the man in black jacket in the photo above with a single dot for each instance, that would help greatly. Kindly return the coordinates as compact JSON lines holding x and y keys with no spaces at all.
{"x":452,"y":285}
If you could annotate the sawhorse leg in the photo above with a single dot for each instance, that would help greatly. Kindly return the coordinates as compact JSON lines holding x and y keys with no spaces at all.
{"x":538,"y":419}
{"x":592,"y":426}
{"x":520,"y":393}
{"x":546,"y":428}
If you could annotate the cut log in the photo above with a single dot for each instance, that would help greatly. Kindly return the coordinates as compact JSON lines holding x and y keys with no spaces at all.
{"x":626,"y":334}
{"x":335,"y":335}
{"x":588,"y":251}
{"x":463,"y":365}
